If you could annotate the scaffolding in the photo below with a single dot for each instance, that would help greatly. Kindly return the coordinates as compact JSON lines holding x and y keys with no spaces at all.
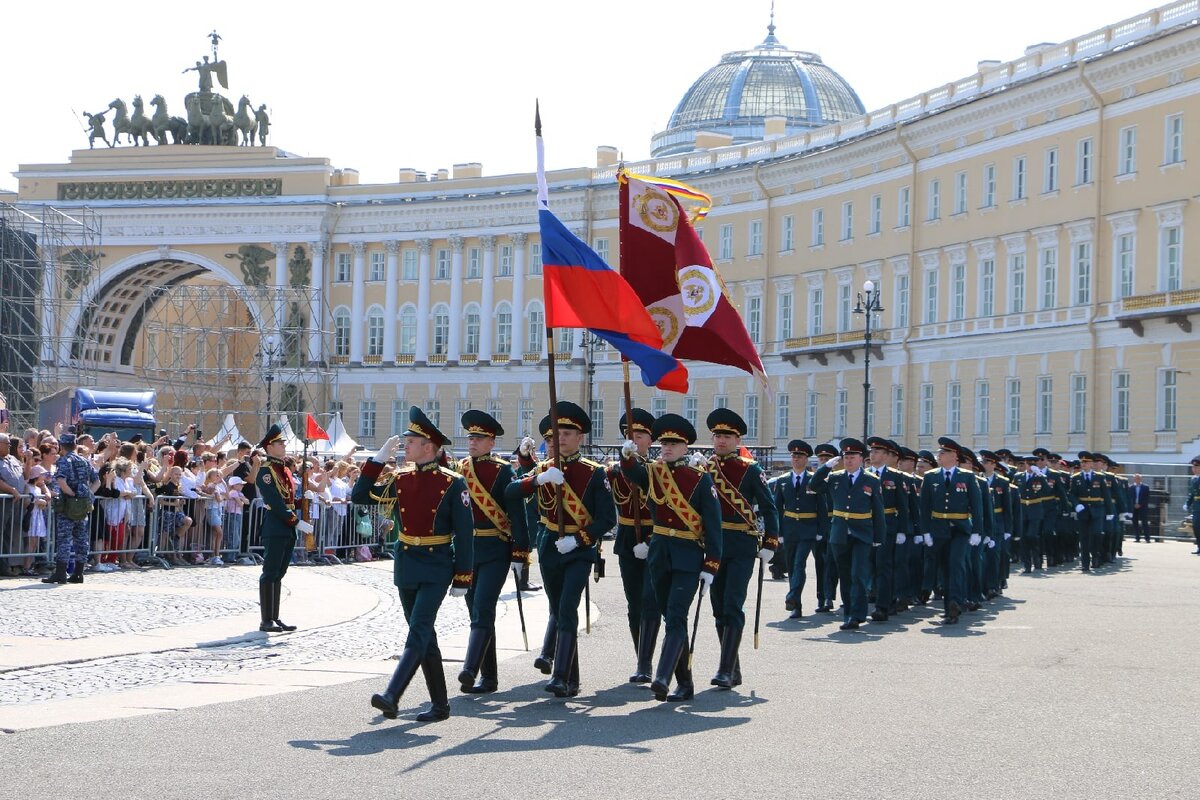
{"x":48,"y":271}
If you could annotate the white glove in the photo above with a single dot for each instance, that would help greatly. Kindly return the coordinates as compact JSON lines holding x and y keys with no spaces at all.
{"x":458,"y":591}
{"x":974,"y":540}
{"x":766,"y":554}
{"x":388,"y":450}
{"x":820,"y":538}
{"x":929,"y":540}
{"x":566,"y":544}
{"x":628,"y":448}
{"x":901,"y":538}
{"x":304,"y":526}
{"x":781,"y":538}
{"x":991,"y":545}
{"x":706,"y":579}
{"x":698,"y":460}
{"x":987,"y":540}
{"x":519,"y":568}
{"x":525,"y":448}
{"x":1079,"y":508}
{"x":1127,"y":516}
{"x":833,"y":462}
{"x":1007,"y":536}
{"x":550,"y":475}
{"x":641,"y":550}
{"x":1108,"y":517}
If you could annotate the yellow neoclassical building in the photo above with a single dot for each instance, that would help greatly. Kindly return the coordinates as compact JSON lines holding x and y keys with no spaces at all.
{"x":1027,"y":228}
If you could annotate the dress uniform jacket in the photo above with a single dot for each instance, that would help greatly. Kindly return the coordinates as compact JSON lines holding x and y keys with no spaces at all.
{"x":499,"y":523}
{"x":954,"y":506}
{"x":855,"y":511}
{"x":741,"y":485}
{"x":802,"y":512}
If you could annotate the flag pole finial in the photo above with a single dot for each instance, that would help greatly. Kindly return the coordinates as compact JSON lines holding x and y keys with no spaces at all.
{"x":537,"y":118}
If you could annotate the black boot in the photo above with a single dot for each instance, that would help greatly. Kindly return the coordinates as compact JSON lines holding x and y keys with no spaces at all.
{"x":77,"y":573}
{"x":60,"y":573}
{"x":573,"y":677}
{"x":476,"y":645}
{"x":266,"y":607}
{"x":545,"y":661}
{"x":667,"y":661}
{"x":685,"y":688}
{"x":647,"y":637}
{"x":727,"y":671}
{"x":564,"y":653}
{"x":275,"y":593}
{"x":435,"y":681}
{"x":386,"y":702}
{"x":489,"y":679}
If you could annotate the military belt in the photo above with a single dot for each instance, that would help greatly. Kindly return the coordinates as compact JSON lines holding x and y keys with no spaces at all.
{"x":675,"y":533}
{"x":553,"y":527}
{"x":1091,"y":499}
{"x":629,"y":520}
{"x":744,"y":527}
{"x":852,"y":515}
{"x":940,"y":515}
{"x":800,"y":514}
{"x":1035,"y":500}
{"x":891,"y":511}
{"x":997,"y":510}
{"x":424,"y":541}
{"x":493,"y":532}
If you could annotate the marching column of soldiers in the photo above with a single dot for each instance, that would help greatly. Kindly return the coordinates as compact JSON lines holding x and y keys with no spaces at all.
{"x":892,"y":527}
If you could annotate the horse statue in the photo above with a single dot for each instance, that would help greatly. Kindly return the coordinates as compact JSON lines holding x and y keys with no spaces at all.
{"x":140,"y":126}
{"x":197,"y":125}
{"x":120,"y":121}
{"x":162,"y":123}
{"x":220,"y":122}
{"x":245,"y":123}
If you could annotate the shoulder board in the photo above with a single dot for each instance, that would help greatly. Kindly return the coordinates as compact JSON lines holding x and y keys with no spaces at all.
{"x":449,"y":473}
{"x":905,"y":474}
{"x":966,"y":471}
{"x":873,"y":476}
{"x":838,"y":472}
{"x":590,"y":463}
{"x":870,"y":470}
{"x":747,"y":460}
{"x":1000,"y":477}
{"x":407,"y":468}
{"x":499,"y":460}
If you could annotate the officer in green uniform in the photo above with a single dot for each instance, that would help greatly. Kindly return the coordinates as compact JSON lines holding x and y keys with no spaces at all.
{"x":741,"y":485}
{"x":951,"y":516}
{"x":802,"y":521}
{"x":893,"y":550}
{"x":913,"y":566}
{"x":280,"y":521}
{"x":501,"y":544}
{"x":828,"y":577}
{"x":568,"y":541}
{"x":685,"y":549}
{"x":969,"y":462}
{"x":999,"y":488}
{"x":632,"y":546}
{"x":1057,"y":509}
{"x":1118,"y":488}
{"x":1091,"y":499}
{"x":1192,"y":503}
{"x":431,"y":511}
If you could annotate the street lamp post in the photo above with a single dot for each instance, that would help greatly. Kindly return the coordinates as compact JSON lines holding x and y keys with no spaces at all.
{"x":267,"y":354}
{"x":868,"y":304}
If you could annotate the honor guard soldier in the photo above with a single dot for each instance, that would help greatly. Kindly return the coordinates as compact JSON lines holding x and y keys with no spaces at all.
{"x":741,"y":484}
{"x":1191,"y":504}
{"x":951,"y":516}
{"x":907,"y":464}
{"x":803,"y":520}
{"x":1118,"y":490}
{"x":431,"y":511}
{"x":568,"y":538}
{"x":828,"y":579}
{"x":976,"y":597}
{"x":501,"y":544}
{"x":525,"y":465}
{"x":632,"y":547}
{"x":996,"y":556}
{"x":893,"y":550}
{"x":276,"y":487}
{"x":1056,"y":503}
{"x":858,"y":526}
{"x":685,"y":549}
{"x":1090,"y":498}
{"x":1035,"y":498}
{"x":929,"y":570}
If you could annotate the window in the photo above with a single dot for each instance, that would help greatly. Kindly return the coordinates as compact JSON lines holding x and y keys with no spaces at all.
{"x":816,"y":311}
{"x":785,"y":316}
{"x":902,"y":293}
{"x":504,"y":266}
{"x":1127,"y":151}
{"x":725,"y":242}
{"x":787,"y":235}
{"x":810,"y":414}
{"x":471,"y":325}
{"x":935,"y":200}
{"x":987,"y":287}
{"x":222,"y":355}
{"x":871,"y":409}
{"x":366,"y":419}
{"x":988,"y":199}
{"x":699,"y":233}
{"x":341,"y":332}
{"x":495,"y":408}
{"x":1170,"y":256}
{"x":960,"y":193}
{"x":721,"y":401}
{"x":1020,"y":187}
{"x":1083,"y":162}
{"x":566,"y":340}
{"x":441,"y":330}
{"x":408,"y":331}
{"x":1173,"y":146}
{"x":1012,"y":407}
{"x":958,"y":291}
{"x":201,"y":352}
{"x":601,"y":248}
{"x":597,"y":415}
{"x":535,"y":258}
{"x":931,"y":296}
{"x":375,"y":333}
{"x":399,"y":414}
{"x":904,"y":208}
{"x":504,"y":323}
{"x":1049,"y":274}
{"x":536,"y":331}
{"x":927,"y":409}
{"x":953,"y":408}
{"x":897,"y":410}
{"x":691,"y":410}
{"x":847,"y":221}
{"x":1125,"y":264}
{"x":983,"y":407}
{"x":756,"y":243}
{"x":525,"y":418}
{"x":1078,"y":420}
{"x":474,"y":263}
{"x":844,"y":308}
{"x":1120,"y":405}
{"x":442,"y":270}
{"x":754,"y":318}
{"x":409,"y":273}
{"x":781,"y":415}
{"x":818,"y":227}
{"x":433,"y":410}
{"x":1016,"y":283}
{"x":1083,"y":273}
{"x":1166,"y":400}
{"x":378,"y":268}
{"x":658,"y":406}
{"x":876,"y":213}
{"x":1050,"y":173}
{"x":1045,"y":405}
{"x":152,"y":349}
{"x":751,"y":405}
{"x":841,"y":412}
{"x":341,"y":268}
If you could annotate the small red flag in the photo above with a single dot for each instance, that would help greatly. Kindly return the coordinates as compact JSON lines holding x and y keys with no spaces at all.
{"x":314,"y":431}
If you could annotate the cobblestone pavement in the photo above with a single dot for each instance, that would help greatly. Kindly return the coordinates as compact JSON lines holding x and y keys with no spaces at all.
{"x":378,"y":634}
{"x":77,"y":615}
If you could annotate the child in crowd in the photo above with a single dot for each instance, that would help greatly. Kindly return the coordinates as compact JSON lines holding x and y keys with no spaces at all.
{"x":40,"y":499}
{"x":215,"y":491}
{"x":235,"y":501}
{"x":173,"y":524}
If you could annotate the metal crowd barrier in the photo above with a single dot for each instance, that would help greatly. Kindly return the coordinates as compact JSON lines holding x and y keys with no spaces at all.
{"x":18,"y":548}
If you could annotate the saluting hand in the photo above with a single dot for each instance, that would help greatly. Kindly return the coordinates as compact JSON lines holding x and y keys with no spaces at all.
{"x":628,"y":448}
{"x":525,"y":448}
{"x":388,"y":450}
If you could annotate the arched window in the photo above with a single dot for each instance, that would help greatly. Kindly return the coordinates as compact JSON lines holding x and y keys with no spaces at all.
{"x":537,"y":328}
{"x":504,"y":329}
{"x":375,"y":332}
{"x":408,"y":330}
{"x":471,"y":330}
{"x":441,"y":330}
{"x":341,"y":332}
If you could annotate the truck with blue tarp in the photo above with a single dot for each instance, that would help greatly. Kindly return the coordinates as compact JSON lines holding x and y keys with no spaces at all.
{"x":125,"y":412}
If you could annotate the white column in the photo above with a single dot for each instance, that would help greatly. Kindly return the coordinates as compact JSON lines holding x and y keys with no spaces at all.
{"x":281,"y":283}
{"x":488,"y":299}
{"x":518,"y":297}
{"x":454,"y":346}
{"x":316,"y":306}
{"x":423,"y":322}
{"x":392,"y":301}
{"x":358,"y":301}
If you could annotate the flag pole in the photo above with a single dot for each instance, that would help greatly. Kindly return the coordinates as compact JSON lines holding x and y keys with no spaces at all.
{"x":635,"y":494}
